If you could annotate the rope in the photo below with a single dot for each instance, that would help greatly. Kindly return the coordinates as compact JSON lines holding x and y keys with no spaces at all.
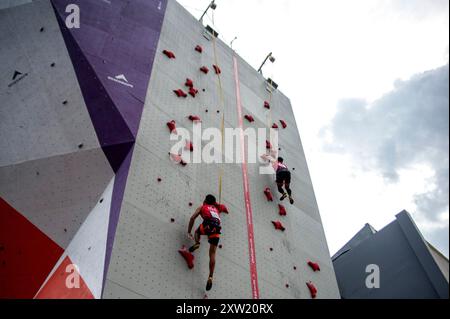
{"x":222,"y":105}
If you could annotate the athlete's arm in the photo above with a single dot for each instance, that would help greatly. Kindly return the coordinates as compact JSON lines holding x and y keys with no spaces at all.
{"x":192,"y":220}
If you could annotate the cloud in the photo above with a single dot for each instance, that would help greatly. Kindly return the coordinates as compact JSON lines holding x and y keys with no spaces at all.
{"x":405,"y":128}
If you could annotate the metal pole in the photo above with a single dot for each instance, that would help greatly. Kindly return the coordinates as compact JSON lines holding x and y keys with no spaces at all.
{"x":265,"y":60}
{"x":209,"y":6}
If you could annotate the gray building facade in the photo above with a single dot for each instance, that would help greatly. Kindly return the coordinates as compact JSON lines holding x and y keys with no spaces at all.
{"x":409,"y":267}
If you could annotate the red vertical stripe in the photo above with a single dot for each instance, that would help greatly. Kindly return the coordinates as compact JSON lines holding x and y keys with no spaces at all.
{"x":248,"y":206}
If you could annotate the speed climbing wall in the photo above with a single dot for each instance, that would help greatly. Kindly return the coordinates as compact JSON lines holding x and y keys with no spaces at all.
{"x":85,"y":172}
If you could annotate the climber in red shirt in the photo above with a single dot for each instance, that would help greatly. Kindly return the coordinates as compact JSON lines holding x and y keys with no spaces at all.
{"x":283,"y":177}
{"x":209,"y":227}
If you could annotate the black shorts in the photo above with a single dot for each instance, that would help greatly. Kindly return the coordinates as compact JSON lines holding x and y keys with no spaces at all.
{"x":283,"y":177}
{"x":210,"y":229}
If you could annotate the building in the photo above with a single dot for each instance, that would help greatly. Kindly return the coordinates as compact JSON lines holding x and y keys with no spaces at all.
{"x":92,"y":206}
{"x":409,"y":267}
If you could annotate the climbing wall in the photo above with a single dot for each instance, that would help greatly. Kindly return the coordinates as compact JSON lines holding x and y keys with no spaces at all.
{"x":71,"y":102}
{"x":85,"y":173}
{"x":161,"y":194}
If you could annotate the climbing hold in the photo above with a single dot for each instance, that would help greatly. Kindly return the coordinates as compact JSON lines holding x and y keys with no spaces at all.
{"x":199,"y":49}
{"x":204,"y":69}
{"x":293,"y":168}
{"x":172,"y":127}
{"x":193,"y":92}
{"x":159,"y":179}
{"x":275,"y":126}
{"x":101,"y":200}
{"x":188,"y":257}
{"x":206,"y":110}
{"x":249,"y":118}
{"x":172,"y":220}
{"x":80,"y":146}
{"x":271,"y":249}
{"x":266,"y":105}
{"x":287,"y":285}
{"x":65,"y":230}
{"x":177,"y":159}
{"x":217,"y":69}
{"x":218,"y":111}
{"x":189,"y":83}
{"x":64,"y":102}
{"x":189,"y":146}
{"x":268,"y":194}
{"x":204,"y":90}
{"x":283,"y":124}
{"x":314,"y":266}
{"x":312,"y":289}
{"x":205,"y":296}
{"x":169,"y":54}
{"x":278,"y":225}
{"x":295,"y":268}
{"x":221,"y":208}
{"x":282,"y":210}
{"x":180,"y":93}
{"x":220,"y":246}
{"x":194,"y":118}
{"x":42,"y":29}
{"x":52,"y":65}
{"x":190,"y":204}
{"x":268,"y":145}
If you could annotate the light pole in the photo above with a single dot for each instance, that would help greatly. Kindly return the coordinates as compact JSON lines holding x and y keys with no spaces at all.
{"x":212,"y":5}
{"x":231,"y":43}
{"x":269,"y":57}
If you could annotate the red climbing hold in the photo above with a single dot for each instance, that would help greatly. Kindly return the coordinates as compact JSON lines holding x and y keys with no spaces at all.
{"x":189,"y":83}
{"x":169,"y":54}
{"x":314,"y":266}
{"x":188,"y":257}
{"x":282,"y":210}
{"x":189,"y":146}
{"x":221,"y":208}
{"x":278,"y":225}
{"x":275,"y":126}
{"x":268,"y":145}
{"x":217,"y":69}
{"x":268,"y":194}
{"x":177,"y":159}
{"x":194,"y":118}
{"x":199,"y":49}
{"x":312,"y":289}
{"x":249,"y":118}
{"x":283,"y":124}
{"x":180,"y":93}
{"x":204,"y":69}
{"x":172,"y":127}
{"x":193,"y":92}
{"x":266,"y":105}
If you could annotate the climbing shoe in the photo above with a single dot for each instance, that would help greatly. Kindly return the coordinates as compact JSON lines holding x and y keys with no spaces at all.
{"x":283,"y":197}
{"x":194,"y":248}
{"x":209,"y":284}
{"x":291,"y":200}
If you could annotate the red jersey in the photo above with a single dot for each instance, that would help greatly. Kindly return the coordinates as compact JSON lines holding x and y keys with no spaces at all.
{"x":209,"y":212}
{"x":279,"y":167}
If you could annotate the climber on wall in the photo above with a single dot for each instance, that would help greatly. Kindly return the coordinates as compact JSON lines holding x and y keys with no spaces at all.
{"x":283,"y":177}
{"x":209,"y":227}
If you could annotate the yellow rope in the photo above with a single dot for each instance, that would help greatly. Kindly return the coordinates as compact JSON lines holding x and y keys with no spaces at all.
{"x":222,"y":105}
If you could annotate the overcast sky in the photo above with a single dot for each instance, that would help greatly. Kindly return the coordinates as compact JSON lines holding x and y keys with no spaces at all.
{"x":368,"y":82}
